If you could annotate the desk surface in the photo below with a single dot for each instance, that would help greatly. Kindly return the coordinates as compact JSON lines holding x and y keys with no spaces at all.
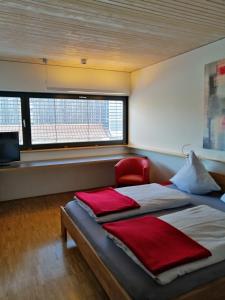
{"x":64,"y":162}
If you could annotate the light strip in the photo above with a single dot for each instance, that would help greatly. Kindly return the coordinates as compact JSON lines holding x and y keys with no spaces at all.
{"x":86,"y":91}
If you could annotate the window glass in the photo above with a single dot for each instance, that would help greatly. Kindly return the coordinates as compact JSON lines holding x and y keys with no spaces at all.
{"x":10,"y":116}
{"x":75,"y":120}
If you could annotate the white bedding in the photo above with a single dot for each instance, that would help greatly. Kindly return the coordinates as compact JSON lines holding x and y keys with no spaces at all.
{"x":150,"y":197}
{"x":203,"y":224}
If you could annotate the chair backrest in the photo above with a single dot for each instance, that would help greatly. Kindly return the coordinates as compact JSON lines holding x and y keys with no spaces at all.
{"x":133,"y":165}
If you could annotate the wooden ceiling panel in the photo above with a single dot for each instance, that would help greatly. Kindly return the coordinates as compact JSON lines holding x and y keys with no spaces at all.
{"x":120,"y":35}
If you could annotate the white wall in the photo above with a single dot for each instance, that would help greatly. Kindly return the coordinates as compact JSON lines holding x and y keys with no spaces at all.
{"x":164,"y":165}
{"x":166,"y":106}
{"x":27,"y":77}
{"x":34,"y":155}
{"x":166,"y":110}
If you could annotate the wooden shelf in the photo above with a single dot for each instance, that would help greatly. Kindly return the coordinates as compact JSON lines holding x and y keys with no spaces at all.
{"x":65,"y":162}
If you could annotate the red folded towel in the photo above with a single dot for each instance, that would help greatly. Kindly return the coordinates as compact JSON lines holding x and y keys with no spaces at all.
{"x":157,"y":244}
{"x":106,"y":201}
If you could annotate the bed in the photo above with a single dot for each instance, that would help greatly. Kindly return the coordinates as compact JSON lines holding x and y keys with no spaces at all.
{"x":121,"y":277}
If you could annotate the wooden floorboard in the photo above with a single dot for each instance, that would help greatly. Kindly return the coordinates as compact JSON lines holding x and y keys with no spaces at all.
{"x":34,"y":263}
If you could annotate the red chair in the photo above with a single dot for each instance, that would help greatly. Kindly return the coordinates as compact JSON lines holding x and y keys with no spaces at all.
{"x":132,"y":171}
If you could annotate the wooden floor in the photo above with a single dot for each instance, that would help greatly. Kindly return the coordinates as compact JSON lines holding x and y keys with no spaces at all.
{"x":34,"y":262}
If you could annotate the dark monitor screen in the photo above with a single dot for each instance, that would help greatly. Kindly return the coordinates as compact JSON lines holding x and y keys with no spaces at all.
{"x":9,"y":147}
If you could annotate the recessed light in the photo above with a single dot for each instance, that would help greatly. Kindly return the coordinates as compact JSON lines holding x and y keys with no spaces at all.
{"x":83,"y":61}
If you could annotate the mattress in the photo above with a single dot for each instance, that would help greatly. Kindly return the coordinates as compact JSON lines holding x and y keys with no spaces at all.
{"x":137,"y":283}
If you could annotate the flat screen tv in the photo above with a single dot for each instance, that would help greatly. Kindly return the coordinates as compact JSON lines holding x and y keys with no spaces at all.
{"x":9,"y":147}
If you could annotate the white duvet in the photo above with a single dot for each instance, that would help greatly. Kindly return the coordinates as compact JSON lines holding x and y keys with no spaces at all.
{"x":151,"y":197}
{"x":203,"y":224}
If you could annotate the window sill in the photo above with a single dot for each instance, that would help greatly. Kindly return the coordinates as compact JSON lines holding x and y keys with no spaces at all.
{"x":65,"y":162}
{"x":71,"y":148}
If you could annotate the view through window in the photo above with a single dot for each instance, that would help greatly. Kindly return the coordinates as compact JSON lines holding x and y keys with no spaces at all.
{"x":10,"y":116}
{"x":75,"y":120}
{"x":63,"y":120}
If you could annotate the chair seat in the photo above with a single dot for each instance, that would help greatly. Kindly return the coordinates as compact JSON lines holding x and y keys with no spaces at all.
{"x":131,"y":179}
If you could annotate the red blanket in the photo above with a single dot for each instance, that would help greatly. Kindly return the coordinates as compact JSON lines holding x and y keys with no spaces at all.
{"x":106,"y":201}
{"x":157,"y":244}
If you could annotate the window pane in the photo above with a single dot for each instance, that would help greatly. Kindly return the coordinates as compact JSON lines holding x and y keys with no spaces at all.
{"x":75,"y":120}
{"x":10,"y":116}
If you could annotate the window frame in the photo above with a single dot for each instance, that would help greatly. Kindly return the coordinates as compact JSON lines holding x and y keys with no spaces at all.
{"x":26,"y":123}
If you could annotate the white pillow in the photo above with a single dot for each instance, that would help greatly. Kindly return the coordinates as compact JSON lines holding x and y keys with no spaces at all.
{"x":193,"y":177}
{"x":223,"y":198}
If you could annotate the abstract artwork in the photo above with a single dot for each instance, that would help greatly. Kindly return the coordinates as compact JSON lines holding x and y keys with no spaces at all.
{"x":214,"y":129}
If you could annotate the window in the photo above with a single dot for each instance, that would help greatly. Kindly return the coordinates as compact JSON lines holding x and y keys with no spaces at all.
{"x":49,"y":120}
{"x":10,"y":115}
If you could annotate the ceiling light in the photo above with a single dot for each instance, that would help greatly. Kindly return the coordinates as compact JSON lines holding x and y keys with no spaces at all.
{"x":83,"y":61}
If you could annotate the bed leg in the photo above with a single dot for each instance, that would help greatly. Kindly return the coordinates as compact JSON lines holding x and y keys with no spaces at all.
{"x":63,"y":230}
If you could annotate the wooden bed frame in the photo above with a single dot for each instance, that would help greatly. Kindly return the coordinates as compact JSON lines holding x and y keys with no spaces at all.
{"x":212,"y":291}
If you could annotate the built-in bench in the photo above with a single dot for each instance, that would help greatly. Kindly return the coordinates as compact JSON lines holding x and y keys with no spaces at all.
{"x":43,"y":177}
